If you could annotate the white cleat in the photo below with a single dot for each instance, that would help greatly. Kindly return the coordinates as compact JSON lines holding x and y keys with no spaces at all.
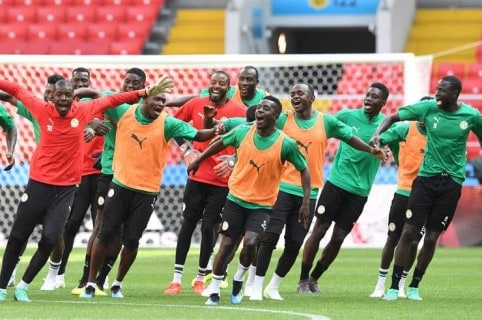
{"x":48,"y":285}
{"x":272,"y":293}
{"x":248,"y":289}
{"x":60,"y":281}
{"x":208,"y":291}
{"x":379,"y":292}
{"x":256,"y":294}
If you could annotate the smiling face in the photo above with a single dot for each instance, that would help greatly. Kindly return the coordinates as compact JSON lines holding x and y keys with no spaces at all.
{"x":132,"y":82}
{"x":301,"y":98}
{"x":63,"y":97}
{"x":266,"y":114}
{"x":374,"y":101}
{"x":218,"y":87}
{"x":247,"y":82}
{"x":49,"y":92}
{"x":153,"y":106}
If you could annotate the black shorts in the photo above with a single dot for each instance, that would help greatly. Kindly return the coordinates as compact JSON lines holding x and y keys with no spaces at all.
{"x":203,"y":201}
{"x":433,"y":202}
{"x":286,"y":212}
{"x":85,"y":197}
{"x":237,"y":220}
{"x":341,"y":206}
{"x":396,"y":216}
{"x":103,"y":183}
{"x":44,"y":204}
{"x":126,"y":208}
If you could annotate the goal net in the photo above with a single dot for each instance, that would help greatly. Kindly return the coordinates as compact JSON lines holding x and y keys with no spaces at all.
{"x":339,"y":80}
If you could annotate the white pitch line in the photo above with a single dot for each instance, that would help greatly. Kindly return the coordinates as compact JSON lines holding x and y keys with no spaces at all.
{"x":284,"y":312}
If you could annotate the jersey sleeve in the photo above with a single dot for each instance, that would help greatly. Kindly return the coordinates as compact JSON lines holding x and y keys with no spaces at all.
{"x":114,"y":114}
{"x":33,"y":103}
{"x":23,"y":111}
{"x":235,"y":136}
{"x":175,"y":128}
{"x":396,"y":133}
{"x":290,"y":152}
{"x":232,"y":123}
{"x":334,"y":128}
{"x":184,"y":113}
{"x":416,"y":111}
{"x":6,"y":121}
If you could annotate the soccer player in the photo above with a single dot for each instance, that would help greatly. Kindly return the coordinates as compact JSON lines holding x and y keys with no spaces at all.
{"x":310,"y":129}
{"x":83,"y":199}
{"x":412,"y":138}
{"x":246,"y":91}
{"x":205,"y":192}
{"x":262,"y":151}
{"x":144,"y":132}
{"x":54,"y":172}
{"x":346,"y":191}
{"x":8,"y":126}
{"x":436,"y":189}
{"x":134,"y":79}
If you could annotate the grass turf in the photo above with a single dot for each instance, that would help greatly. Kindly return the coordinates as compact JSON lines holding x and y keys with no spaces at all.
{"x":450,"y":289}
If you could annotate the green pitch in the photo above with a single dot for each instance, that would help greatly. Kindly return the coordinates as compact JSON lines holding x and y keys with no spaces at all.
{"x":451,"y":289}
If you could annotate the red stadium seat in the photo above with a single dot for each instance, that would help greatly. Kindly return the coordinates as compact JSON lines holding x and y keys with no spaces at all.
{"x":478,"y":53}
{"x":119,"y":2}
{"x":42,"y":31}
{"x":58,"y":2}
{"x":474,"y":70}
{"x":79,"y":47}
{"x":51,"y":14}
{"x":450,"y":69}
{"x":102,"y":32}
{"x":111,"y":14}
{"x":90,"y":2}
{"x":68,"y":31}
{"x":83,"y":14}
{"x":13,"y":31}
{"x":142,"y":13}
{"x":14,"y":46}
{"x":472,"y":86}
{"x":24,"y":14}
{"x":126,"y":47}
{"x":133,"y":31}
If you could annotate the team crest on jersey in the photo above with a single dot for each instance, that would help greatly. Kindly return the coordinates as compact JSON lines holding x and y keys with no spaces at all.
{"x":318,"y":4}
{"x":110,"y":193}
{"x":392,"y":226}
{"x":463,"y":125}
{"x":408,"y":214}
{"x":100,"y":201}
{"x":24,"y":197}
{"x":321,"y":209}
{"x":74,"y":123}
{"x":225,"y":226}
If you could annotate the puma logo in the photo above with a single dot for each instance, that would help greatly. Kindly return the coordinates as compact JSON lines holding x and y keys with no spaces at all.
{"x":251,"y":162}
{"x":133,"y":136}
{"x":299,"y":143}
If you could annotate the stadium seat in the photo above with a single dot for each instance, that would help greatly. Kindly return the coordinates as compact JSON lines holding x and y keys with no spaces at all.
{"x":68,"y":31}
{"x":84,"y":14}
{"x":111,"y":14}
{"x":13,"y":31}
{"x":79,"y":47}
{"x":33,"y":3}
{"x":141,"y":14}
{"x":102,"y":31}
{"x":450,"y":69}
{"x":91,"y":2}
{"x":58,"y":2}
{"x":42,"y":31}
{"x":118,"y":2}
{"x":14,"y":46}
{"x":472,"y":86}
{"x":133,"y":30}
{"x":51,"y":14}
{"x":478,"y":53}
{"x":126,"y":47}
{"x":25,"y":14}
{"x":474,"y":70}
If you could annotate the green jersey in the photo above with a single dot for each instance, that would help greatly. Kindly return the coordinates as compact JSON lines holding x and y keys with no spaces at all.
{"x":256,"y":99}
{"x":23,"y":111}
{"x":447,"y":134}
{"x":289,"y":152}
{"x":354,"y":170}
{"x":6,"y":121}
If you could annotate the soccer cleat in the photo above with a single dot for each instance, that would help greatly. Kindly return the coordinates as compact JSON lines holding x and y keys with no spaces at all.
{"x":378,"y":292}
{"x":3,"y":295}
{"x":21,"y":295}
{"x":391,"y":295}
{"x":224,"y":284}
{"x":303,"y":287}
{"x":173,"y":288}
{"x":313,"y":284}
{"x":48,"y":285}
{"x":106,"y":282}
{"x":116,"y":292}
{"x":198,"y":287}
{"x":412,"y":294}
{"x":11,"y":282}
{"x":237,"y":293}
{"x":272,"y":293}
{"x":78,"y":290}
{"x":401,"y":293}
{"x":89,"y":292}
{"x":213,"y":300}
{"x":256,"y":294}
{"x":208,"y":291}
{"x":60,"y":281}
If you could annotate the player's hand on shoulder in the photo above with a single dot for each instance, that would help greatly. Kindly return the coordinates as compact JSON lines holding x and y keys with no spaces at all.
{"x":225,"y":165}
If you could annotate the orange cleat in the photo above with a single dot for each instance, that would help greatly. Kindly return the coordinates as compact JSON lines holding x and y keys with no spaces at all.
{"x":198,"y":287}
{"x":174,"y":288}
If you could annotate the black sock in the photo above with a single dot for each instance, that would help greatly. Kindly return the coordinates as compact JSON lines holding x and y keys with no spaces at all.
{"x":85,"y":273}
{"x":396,"y":276}
{"x":305,"y":271}
{"x":318,"y":270}
{"x":417,"y":277}
{"x":237,"y":285}
{"x":104,"y":270}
